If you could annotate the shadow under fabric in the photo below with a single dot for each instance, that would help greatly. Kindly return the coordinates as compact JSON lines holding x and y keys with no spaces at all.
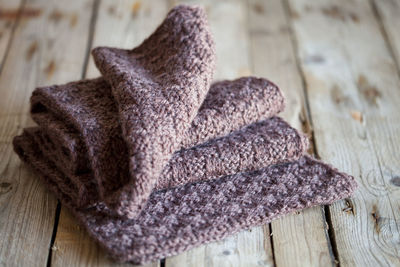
{"x":153,"y":159}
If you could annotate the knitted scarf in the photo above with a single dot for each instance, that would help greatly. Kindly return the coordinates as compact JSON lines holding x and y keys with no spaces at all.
{"x":153,"y":159}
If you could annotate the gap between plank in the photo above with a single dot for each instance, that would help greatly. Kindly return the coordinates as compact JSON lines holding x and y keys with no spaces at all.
{"x":330,"y":237}
{"x":53,"y":236}
{"x":271,"y":240}
{"x":92,"y":26}
{"x":385,"y":35}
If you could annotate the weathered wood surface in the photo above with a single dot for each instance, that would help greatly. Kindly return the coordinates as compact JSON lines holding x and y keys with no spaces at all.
{"x":38,"y":54}
{"x":334,"y":60}
{"x":353,"y":89}
{"x":8,"y":17}
{"x":388,"y":13}
{"x":298,"y":239}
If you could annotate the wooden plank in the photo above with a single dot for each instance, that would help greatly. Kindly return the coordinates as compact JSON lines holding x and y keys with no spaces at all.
{"x":228,"y":21}
{"x":122,"y":24}
{"x":38,"y":55}
{"x":299,"y":239}
{"x":74,"y":246}
{"x":354,"y":96}
{"x":125,"y":24}
{"x":389,"y":12}
{"x":8,"y":17}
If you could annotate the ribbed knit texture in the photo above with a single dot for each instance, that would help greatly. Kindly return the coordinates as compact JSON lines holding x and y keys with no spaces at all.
{"x":153,"y":160}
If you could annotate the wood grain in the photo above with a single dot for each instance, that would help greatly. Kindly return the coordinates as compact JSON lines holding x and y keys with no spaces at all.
{"x":27,"y":208}
{"x":122,"y":24}
{"x":389,"y":13}
{"x":354,"y":97}
{"x":74,"y":247}
{"x":9,"y":11}
{"x":228,"y":22}
{"x":125,"y":24}
{"x":299,"y":239}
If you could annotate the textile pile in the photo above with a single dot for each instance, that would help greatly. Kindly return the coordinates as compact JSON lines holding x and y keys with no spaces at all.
{"x":153,"y":158}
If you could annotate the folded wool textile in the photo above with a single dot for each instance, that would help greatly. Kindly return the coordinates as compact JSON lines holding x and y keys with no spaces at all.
{"x":180,"y":218}
{"x":64,"y":111}
{"x":158,"y":87}
{"x":250,"y":148}
{"x":191,"y":162}
{"x":86,"y":109}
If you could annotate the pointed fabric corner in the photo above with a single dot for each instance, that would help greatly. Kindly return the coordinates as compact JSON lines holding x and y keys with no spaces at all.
{"x":153,"y":159}
{"x":158,"y":88}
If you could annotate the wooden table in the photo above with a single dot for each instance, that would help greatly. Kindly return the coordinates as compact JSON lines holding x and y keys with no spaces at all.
{"x":337,"y":63}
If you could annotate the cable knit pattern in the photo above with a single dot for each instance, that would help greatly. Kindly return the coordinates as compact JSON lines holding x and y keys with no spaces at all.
{"x":190,"y":163}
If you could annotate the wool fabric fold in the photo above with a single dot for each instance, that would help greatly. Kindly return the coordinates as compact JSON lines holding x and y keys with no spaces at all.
{"x":191,"y":162}
{"x":82,"y":115}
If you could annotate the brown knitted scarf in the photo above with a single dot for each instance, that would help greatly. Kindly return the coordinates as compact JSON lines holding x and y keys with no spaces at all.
{"x":153,"y":159}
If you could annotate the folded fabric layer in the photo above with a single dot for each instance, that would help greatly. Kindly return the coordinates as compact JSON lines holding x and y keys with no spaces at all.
{"x":250,"y":148}
{"x":65,"y":111}
{"x":191,"y":163}
{"x":158,"y":87}
{"x":82,"y":115}
{"x":180,"y":218}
